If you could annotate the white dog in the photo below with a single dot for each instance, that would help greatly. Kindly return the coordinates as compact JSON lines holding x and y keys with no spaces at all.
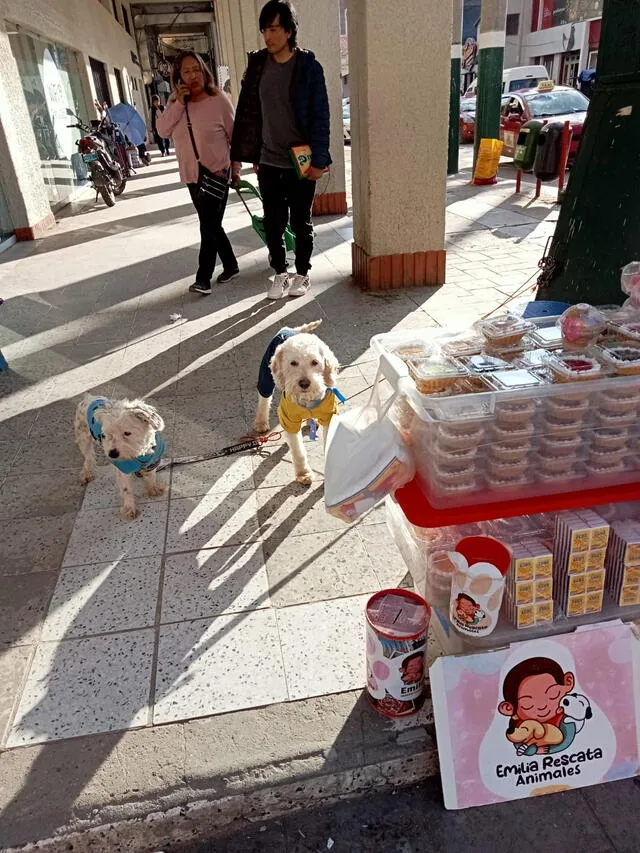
{"x":304,"y":369}
{"x":130,"y":434}
{"x":577,"y":708}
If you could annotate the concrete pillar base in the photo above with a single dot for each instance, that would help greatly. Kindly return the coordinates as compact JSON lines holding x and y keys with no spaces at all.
{"x":326,"y":204}
{"x":388,"y":272}
{"x":32,"y":232}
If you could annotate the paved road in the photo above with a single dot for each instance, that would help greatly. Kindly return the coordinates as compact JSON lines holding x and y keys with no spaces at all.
{"x":602,"y":819}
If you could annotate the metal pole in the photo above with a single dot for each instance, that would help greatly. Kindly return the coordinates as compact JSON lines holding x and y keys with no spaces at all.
{"x":454,"y":96}
{"x":491,"y":41}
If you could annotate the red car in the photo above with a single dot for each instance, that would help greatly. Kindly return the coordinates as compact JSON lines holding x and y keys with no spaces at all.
{"x":468,"y":117}
{"x":559,"y":103}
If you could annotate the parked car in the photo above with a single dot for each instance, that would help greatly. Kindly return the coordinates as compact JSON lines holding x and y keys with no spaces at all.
{"x":468,"y":117}
{"x":548,"y":103}
{"x":513,"y":79}
{"x":346,"y":121}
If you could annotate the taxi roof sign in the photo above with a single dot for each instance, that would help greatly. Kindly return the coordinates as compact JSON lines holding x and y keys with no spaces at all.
{"x":546,"y":86}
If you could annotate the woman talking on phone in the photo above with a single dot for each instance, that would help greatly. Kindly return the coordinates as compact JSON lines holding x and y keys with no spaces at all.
{"x":199,"y":118}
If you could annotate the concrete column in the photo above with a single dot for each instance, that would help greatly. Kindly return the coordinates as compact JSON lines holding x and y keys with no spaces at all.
{"x":454,"y":96}
{"x":21,"y":170}
{"x":491,"y":41}
{"x":239,"y":34}
{"x":400,"y":72}
{"x":320,"y":32}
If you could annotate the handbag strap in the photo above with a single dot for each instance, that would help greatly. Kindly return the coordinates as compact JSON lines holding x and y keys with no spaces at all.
{"x":193,"y":141}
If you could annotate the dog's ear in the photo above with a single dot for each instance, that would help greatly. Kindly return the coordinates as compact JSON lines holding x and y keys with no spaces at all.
{"x":147,"y":414}
{"x":331,"y":365}
{"x":275,"y":366}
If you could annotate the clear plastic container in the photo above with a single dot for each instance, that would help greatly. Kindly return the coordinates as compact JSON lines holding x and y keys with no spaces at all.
{"x":505,"y":331}
{"x":573,"y":367}
{"x":624,"y":360}
{"x":516,"y":428}
{"x":425,"y":552}
{"x":435,"y":374}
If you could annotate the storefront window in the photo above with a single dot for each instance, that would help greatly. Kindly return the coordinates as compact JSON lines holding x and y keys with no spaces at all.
{"x":51,"y":83}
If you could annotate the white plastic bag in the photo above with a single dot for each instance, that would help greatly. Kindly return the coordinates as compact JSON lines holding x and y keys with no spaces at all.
{"x":366,"y":459}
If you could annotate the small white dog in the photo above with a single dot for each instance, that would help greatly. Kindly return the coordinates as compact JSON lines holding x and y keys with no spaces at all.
{"x":577,"y":708}
{"x":304,"y":369}
{"x":131,"y":438}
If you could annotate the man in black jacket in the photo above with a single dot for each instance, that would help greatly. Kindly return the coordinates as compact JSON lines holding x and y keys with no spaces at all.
{"x":283,"y":103}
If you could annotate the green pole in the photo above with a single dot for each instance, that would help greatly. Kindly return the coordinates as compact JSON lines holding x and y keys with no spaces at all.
{"x":491,"y":40}
{"x":598,"y":229}
{"x":454,"y":94}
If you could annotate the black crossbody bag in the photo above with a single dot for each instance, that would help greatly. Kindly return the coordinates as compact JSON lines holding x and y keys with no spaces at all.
{"x":211,"y":187}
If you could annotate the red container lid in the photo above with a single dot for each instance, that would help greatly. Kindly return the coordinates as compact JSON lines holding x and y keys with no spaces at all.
{"x":398,"y":614}
{"x":485,"y":549}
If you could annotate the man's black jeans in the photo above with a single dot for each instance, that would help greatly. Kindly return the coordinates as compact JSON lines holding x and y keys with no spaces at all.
{"x":285,"y":199}
{"x":213,"y":240}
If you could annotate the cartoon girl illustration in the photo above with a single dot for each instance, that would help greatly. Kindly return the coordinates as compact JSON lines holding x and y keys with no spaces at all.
{"x":468,"y":610}
{"x":536,"y":700}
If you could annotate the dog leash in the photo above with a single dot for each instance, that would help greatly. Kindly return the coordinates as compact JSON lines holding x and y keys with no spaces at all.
{"x":246,"y":444}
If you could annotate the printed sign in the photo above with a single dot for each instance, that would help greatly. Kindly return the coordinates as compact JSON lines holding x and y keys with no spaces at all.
{"x":539,"y":717}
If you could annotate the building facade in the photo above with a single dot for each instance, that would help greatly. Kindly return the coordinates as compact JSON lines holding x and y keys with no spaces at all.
{"x":56,"y":59}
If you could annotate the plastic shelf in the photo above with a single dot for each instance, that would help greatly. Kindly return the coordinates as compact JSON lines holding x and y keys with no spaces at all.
{"x":420,"y":512}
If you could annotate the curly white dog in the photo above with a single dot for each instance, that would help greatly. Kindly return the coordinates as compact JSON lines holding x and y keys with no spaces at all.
{"x":304,"y":369}
{"x":129,"y":432}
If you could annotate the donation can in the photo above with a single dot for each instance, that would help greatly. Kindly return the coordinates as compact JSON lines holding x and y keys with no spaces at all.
{"x":397,"y":625}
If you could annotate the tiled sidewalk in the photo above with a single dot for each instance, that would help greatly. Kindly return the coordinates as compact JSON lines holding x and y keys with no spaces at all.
{"x":235,"y":590}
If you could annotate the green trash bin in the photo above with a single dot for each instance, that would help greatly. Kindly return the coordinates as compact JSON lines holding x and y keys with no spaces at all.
{"x":525,"y":154}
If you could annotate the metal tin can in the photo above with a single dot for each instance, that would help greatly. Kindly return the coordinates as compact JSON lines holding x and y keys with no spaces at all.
{"x":397,"y":625}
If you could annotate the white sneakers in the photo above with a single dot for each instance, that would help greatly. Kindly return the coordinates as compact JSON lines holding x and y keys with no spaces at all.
{"x":279,"y":286}
{"x":284,"y":284}
{"x":299,"y":285}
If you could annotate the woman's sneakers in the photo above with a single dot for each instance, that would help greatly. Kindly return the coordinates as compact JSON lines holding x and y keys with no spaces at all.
{"x":299,"y":285}
{"x":288,"y":285}
{"x":203,"y":287}
{"x":279,"y":286}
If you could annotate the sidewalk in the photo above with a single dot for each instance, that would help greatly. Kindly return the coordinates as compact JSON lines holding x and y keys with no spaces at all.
{"x":212,"y":649}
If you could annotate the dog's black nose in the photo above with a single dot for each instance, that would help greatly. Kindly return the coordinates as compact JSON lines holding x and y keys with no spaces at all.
{"x":304,"y":384}
{"x":113,"y":454}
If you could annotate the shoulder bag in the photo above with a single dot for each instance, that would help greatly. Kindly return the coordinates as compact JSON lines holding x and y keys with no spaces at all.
{"x":211,"y":187}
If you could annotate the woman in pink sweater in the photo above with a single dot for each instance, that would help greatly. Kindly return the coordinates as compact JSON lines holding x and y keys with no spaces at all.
{"x":211,"y":114}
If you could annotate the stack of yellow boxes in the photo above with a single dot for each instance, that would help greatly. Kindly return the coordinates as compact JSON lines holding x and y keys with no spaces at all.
{"x":623,"y":563}
{"x":528,"y":598}
{"x":579,"y":550}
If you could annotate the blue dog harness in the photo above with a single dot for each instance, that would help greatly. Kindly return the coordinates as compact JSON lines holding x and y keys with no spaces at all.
{"x":137,"y":466}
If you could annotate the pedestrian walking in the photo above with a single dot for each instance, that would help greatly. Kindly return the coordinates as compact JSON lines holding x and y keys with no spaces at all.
{"x":199,"y":119}
{"x":283,"y":104}
{"x":162,"y":143}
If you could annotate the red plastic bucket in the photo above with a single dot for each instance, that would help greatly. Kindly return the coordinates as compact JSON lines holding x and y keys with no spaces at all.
{"x":397,"y":625}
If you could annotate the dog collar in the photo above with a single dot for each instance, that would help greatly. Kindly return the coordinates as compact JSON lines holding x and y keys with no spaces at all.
{"x":146,"y":462}
{"x":315,"y":403}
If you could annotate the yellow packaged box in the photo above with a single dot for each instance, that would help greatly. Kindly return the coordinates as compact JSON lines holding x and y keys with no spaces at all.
{"x":543,"y":566}
{"x":523,"y":568}
{"x":631,"y":576}
{"x":593,"y":602}
{"x":629,"y":595}
{"x":544,"y":612}
{"x":544,"y":589}
{"x":595,"y":559}
{"x":578,"y":563}
{"x":595,"y":580}
{"x":525,"y":616}
{"x":575,"y":605}
{"x":578,"y":584}
{"x":524,"y":593}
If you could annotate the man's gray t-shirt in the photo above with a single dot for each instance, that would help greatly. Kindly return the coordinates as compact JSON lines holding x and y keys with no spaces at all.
{"x":279,"y":128}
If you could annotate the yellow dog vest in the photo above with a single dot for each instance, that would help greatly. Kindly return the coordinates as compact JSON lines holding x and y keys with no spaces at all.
{"x":291,"y":415}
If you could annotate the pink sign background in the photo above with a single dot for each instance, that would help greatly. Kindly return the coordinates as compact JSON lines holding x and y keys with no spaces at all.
{"x":467,"y":691}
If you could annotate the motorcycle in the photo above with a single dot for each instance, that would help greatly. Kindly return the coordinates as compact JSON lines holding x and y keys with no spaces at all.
{"x":106,"y":175}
